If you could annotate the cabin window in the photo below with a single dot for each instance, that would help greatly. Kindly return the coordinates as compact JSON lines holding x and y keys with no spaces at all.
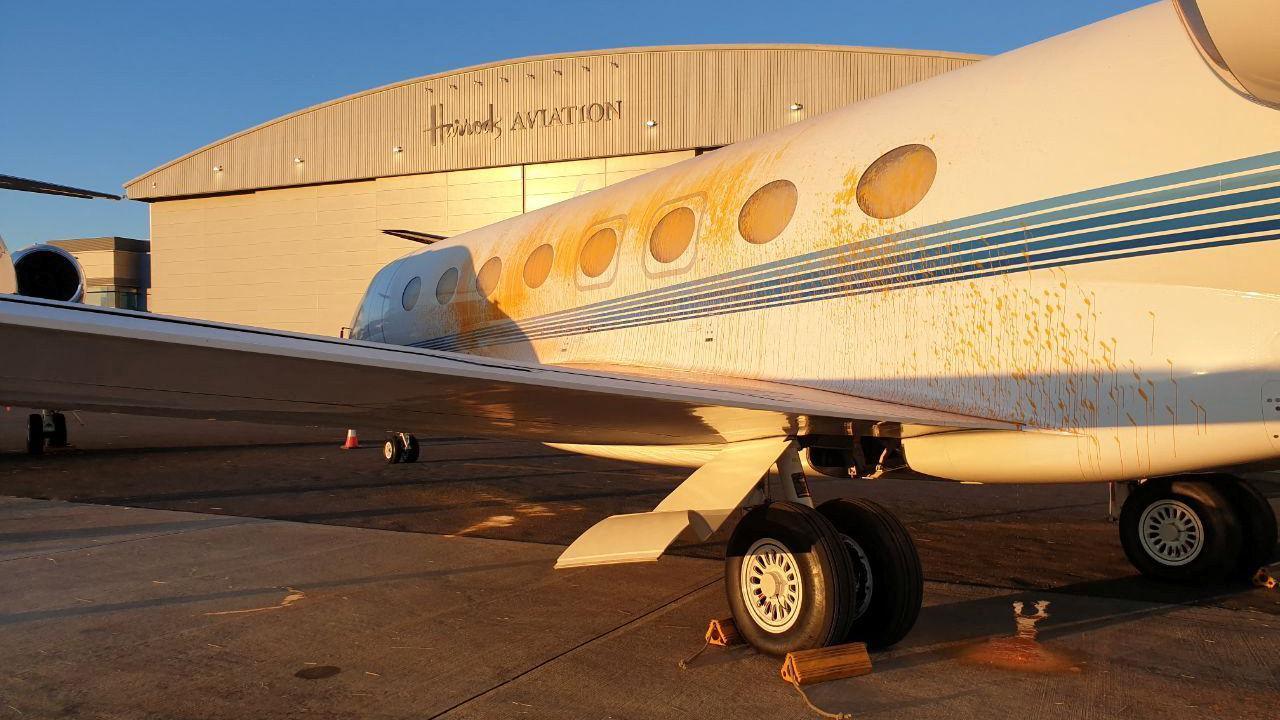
{"x":897,"y":181}
{"x":409,"y":297}
{"x":538,"y":265}
{"x":767,"y":212}
{"x":487,"y":278}
{"x":597,"y":252}
{"x":447,"y":286}
{"x":672,"y":235}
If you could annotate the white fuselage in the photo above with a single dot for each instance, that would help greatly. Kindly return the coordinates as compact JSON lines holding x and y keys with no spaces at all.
{"x":1097,"y":260}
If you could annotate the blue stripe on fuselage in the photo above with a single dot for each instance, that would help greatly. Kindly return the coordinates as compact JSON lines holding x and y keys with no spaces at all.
{"x":942,"y":250}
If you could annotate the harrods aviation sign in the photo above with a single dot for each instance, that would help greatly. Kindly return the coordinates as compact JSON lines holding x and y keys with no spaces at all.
{"x":495,"y":125}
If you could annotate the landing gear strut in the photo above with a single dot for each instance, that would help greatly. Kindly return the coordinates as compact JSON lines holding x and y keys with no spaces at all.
{"x":46,"y":428}
{"x":1197,"y":528}
{"x":799,"y":578}
{"x":400,"y":447}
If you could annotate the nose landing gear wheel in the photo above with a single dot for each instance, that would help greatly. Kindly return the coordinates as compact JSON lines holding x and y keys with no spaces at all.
{"x":889,"y":583}
{"x":400,"y":448}
{"x":1181,"y":530}
{"x":393,"y":450}
{"x":788,"y":579}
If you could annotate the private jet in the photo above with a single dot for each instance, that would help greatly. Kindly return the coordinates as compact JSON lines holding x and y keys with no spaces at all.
{"x":1057,"y":265}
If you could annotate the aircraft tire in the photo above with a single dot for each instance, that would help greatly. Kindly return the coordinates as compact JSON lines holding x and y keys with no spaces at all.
{"x":35,"y":434}
{"x":888,"y":579}
{"x":1257,"y":524}
{"x":58,"y":438}
{"x":412,"y":450}
{"x":788,"y":579}
{"x":393,"y":449}
{"x":1182,"y":530}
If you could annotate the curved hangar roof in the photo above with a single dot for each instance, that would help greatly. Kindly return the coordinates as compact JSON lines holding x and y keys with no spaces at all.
{"x":545,"y":109}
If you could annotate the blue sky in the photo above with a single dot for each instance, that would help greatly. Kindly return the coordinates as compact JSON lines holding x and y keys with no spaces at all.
{"x":95,"y":93}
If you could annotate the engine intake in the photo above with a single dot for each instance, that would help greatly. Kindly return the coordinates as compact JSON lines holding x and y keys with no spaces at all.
{"x":48,"y":272}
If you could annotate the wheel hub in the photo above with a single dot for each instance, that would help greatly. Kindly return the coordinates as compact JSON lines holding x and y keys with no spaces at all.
{"x":770,"y":584}
{"x":864,"y":581}
{"x":1171,"y":532}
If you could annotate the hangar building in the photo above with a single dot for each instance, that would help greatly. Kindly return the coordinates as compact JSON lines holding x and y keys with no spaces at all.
{"x":283,"y":225}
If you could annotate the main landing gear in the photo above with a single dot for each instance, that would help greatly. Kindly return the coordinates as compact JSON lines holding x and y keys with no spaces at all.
{"x":400,"y":448}
{"x":1197,"y":528}
{"x":799,"y":578}
{"x":46,"y":428}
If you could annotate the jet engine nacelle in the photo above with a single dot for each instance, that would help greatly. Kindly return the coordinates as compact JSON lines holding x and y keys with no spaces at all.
{"x":47,"y":272}
{"x":1237,"y":38}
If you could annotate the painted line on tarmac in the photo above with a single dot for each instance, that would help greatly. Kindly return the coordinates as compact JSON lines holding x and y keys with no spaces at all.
{"x":659,"y":608}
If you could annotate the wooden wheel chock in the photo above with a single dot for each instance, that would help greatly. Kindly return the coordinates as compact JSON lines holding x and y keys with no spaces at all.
{"x":829,"y":663}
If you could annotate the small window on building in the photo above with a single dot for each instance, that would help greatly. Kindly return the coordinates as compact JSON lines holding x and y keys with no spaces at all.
{"x":487,"y":278}
{"x":672,"y":235}
{"x":597,"y":252}
{"x":767,"y":212}
{"x":447,"y":286}
{"x":897,"y":181}
{"x":538,"y":266}
{"x":409,"y":297}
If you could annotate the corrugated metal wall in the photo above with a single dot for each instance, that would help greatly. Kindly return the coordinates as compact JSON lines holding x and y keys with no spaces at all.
{"x":300,"y":258}
{"x":699,"y":97}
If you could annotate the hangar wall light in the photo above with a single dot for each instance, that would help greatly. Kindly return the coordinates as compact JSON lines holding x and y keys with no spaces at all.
{"x":397,"y":149}
{"x":650,"y":123}
{"x":297,"y":161}
{"x":217,"y":168}
{"x":796,"y":106}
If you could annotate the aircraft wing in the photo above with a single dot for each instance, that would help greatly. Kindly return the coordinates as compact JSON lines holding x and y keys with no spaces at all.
{"x":65,"y":356}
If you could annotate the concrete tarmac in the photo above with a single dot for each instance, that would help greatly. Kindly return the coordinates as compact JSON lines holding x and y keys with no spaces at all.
{"x":190,"y":569}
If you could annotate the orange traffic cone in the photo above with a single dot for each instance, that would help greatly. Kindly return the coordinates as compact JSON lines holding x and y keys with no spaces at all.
{"x":352,"y":442}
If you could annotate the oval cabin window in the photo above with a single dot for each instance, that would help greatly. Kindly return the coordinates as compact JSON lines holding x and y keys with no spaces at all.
{"x":487,"y":278}
{"x":767,"y":212}
{"x":409,"y":297}
{"x":597,"y":252}
{"x":897,"y":181}
{"x":672,"y":235}
{"x":447,"y":286}
{"x":538,"y":266}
